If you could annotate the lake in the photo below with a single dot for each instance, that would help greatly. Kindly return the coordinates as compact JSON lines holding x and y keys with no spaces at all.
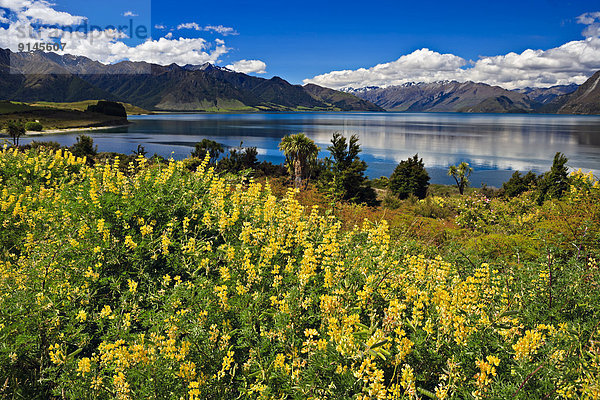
{"x":494,"y":144}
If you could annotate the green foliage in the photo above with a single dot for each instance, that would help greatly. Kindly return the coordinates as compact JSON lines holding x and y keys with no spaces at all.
{"x":84,"y":147}
{"x":300,"y":156}
{"x":111,"y":108}
{"x":343,"y":173}
{"x":34,"y":126}
{"x":50,"y":145}
{"x":155,"y":282}
{"x":518,"y":184}
{"x":410,"y":177}
{"x":554,"y":183}
{"x":210,"y":147}
{"x":461,"y":175}
{"x":239,"y":159}
{"x":140,"y":151}
{"x":15,"y":130}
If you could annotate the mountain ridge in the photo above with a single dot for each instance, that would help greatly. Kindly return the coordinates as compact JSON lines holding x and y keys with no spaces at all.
{"x":40,"y":76}
{"x":471,"y":97}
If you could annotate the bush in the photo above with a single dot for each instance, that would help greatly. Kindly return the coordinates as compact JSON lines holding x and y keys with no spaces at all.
{"x":210,"y":147}
{"x":84,"y":147}
{"x":410,"y":177}
{"x":342,"y":176}
{"x":555,"y":182}
{"x":34,"y":126}
{"x":518,"y":183}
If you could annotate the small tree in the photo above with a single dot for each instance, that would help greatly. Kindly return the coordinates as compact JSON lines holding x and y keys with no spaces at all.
{"x":556,"y":181}
{"x":461,"y":175}
{"x":15,"y":129}
{"x":343,"y":176}
{"x":211,"y":147}
{"x":84,"y":147}
{"x":410,"y":177}
{"x":239,"y":159}
{"x":518,"y":183}
{"x":140,"y":151}
{"x":300,"y":156}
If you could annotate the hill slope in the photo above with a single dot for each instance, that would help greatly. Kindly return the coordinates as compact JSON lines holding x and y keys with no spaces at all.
{"x":50,"y":77}
{"x":442,"y":97}
{"x":586,"y":99}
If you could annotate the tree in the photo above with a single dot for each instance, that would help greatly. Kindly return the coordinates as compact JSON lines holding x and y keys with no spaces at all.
{"x":15,"y":130}
{"x":343,"y":176}
{"x":211,"y":147}
{"x":140,"y":151}
{"x":518,"y":183}
{"x":461,"y":175}
{"x":300,"y":156}
{"x":556,"y":181}
{"x":84,"y":147}
{"x":239,"y":159}
{"x":410,"y":177}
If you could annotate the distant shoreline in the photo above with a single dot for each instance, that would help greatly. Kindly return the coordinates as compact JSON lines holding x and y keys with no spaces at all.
{"x":70,"y":130}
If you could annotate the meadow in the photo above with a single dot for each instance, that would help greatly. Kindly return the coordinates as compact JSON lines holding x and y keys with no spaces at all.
{"x":158,"y":280}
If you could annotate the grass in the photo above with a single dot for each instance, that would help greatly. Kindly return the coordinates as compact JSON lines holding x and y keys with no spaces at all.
{"x":82,"y":106}
{"x":57,"y":115}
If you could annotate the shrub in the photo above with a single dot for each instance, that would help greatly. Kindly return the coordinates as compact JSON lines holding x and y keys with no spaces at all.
{"x":210,"y":147}
{"x":518,"y":183}
{"x":34,"y":126}
{"x":84,"y":147}
{"x":342,"y":175}
{"x":555,"y":182}
{"x":410,"y":177}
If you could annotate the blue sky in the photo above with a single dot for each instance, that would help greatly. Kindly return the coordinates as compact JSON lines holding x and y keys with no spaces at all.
{"x":346,"y":43}
{"x":309,"y":38}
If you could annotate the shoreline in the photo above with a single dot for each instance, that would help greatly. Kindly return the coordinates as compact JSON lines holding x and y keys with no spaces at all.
{"x":71,"y":130}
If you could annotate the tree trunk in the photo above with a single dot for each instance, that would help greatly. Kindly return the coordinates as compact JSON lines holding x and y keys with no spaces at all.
{"x":298,"y":173}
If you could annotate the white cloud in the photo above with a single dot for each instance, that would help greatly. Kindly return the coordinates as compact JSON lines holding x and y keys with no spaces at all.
{"x":220,"y":29}
{"x":39,"y":11}
{"x":248,"y":66}
{"x":189,"y":25}
{"x":106,"y":45}
{"x":223,"y":30}
{"x":571,"y":62}
{"x":169,"y":35}
{"x":129,"y":14}
{"x":3,"y":20}
{"x":159,"y":26}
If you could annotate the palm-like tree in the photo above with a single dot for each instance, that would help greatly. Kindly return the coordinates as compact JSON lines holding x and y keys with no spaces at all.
{"x":300,"y":153}
{"x":461,"y":175}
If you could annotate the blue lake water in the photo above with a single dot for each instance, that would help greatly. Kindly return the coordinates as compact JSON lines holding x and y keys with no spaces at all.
{"x":494,"y":144}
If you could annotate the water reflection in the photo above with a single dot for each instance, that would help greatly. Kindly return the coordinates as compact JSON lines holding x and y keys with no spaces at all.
{"x":494,"y":144}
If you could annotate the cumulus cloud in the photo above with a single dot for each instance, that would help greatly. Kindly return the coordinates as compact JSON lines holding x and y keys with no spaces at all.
{"x":41,"y":12}
{"x":160,"y":27}
{"x":248,"y":66}
{"x":129,"y":14}
{"x":220,"y":29}
{"x":3,"y":20}
{"x":37,"y":21}
{"x":571,"y":62}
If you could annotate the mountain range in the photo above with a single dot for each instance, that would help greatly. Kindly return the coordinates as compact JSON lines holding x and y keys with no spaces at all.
{"x":452,"y":96}
{"x":40,"y":76}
